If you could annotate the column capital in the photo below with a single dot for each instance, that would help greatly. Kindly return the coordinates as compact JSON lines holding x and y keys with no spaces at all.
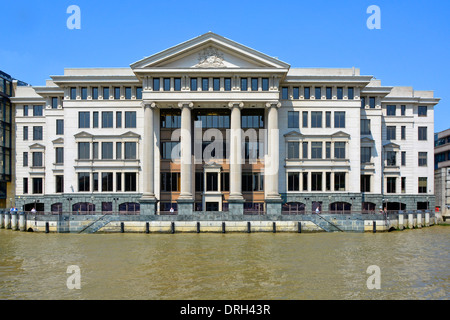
{"x":148,"y":104}
{"x":276,"y":104}
{"x":238,"y":104}
{"x":187,"y":104}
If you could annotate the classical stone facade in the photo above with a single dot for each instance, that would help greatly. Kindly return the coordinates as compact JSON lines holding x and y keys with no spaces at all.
{"x":212,"y":125}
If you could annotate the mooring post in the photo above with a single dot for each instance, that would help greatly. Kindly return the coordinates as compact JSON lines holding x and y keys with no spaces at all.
{"x":122,"y":227}
{"x":374,"y":226}
{"x":147,"y":227}
{"x":299,"y":227}
{"x":7,"y":220}
{"x":2,"y":220}
{"x":172,"y":227}
{"x":47,"y":227}
{"x":223,"y":227}
{"x":198,"y":227}
{"x":22,"y":222}
{"x":274,"y":227}
{"x":14,"y":223}
{"x":248,"y":227}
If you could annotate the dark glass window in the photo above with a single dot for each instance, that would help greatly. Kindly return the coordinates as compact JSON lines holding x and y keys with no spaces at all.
{"x":37,"y":133}
{"x":216,"y":84}
{"x":316,"y":119}
{"x":227,"y":84}
{"x":118,"y":181}
{"x":422,"y":185}
{"x":328,"y":119}
{"x":107,"y":150}
{"x":94,"y":150}
{"x":254,"y":84}
{"x":293,"y":181}
{"x":225,"y":181}
{"x":73,"y":93}
{"x":116,"y":92}
{"x":166,"y":84}
{"x":83,"y":93}
{"x":54,"y":103}
{"x":403,"y":132}
{"x":422,"y":133}
{"x":119,"y":119}
{"x":37,"y":159}
{"x":339,"y":181}
{"x":339,"y":150}
{"x":128,"y":93}
{"x":59,"y":126}
{"x":107,"y":181}
{"x":265,"y":84}
{"x":170,"y":119}
{"x":59,"y":153}
{"x":205,"y":84}
{"x":83,"y":181}
{"x":366,"y":154}
{"x":25,"y":110}
{"x":59,"y":187}
{"x":37,"y":111}
{"x":422,"y":111}
{"x":372,"y":102}
{"x":318,"y":93}
{"x":391,"y":184}
{"x":340,"y":93}
{"x":391,"y":158}
{"x":293,"y":118}
{"x":316,"y":150}
{"x":307,"y":92}
{"x":25,"y":159}
{"x":293,"y":150}
{"x":199,"y":183}
{"x":212,"y":181}
{"x":105,"y":93}
{"x":403,"y":109}
{"x":316,"y":181}
{"x":339,"y":119}
{"x":25,"y":185}
{"x":83,"y":150}
{"x":305,"y":150}
{"x":423,"y":159}
{"x":95,"y":181}
{"x":390,"y":132}
{"x":37,"y":185}
{"x":95,"y":119}
{"x":403,"y":158}
{"x":365,"y":126}
{"x":284,"y":93}
{"x":95,"y":93}
{"x":177,"y":84}
{"x":139,"y":93}
{"x":363,"y":102}
{"x":130,"y":119}
{"x":107,"y":119}
{"x":130,"y":150}
{"x":329,"y":93}
{"x":25,"y":133}
{"x":118,"y":150}
{"x":351,"y":94}
{"x":194,"y":85}
{"x":83,"y":120}
{"x":156,"y":84}
{"x":295,"y":92}
{"x":365,"y":183}
{"x":305,"y":119}
{"x":305,"y":181}
{"x":391,"y":110}
{"x":244,"y":84}
{"x":130,"y":181}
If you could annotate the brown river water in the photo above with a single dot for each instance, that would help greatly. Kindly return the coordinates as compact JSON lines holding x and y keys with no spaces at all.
{"x":413,"y":264}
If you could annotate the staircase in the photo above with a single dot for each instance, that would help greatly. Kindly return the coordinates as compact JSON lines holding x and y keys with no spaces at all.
{"x":325,"y":224}
{"x":97,"y":224}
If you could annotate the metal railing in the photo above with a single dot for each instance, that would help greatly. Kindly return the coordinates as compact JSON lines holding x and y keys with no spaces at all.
{"x":80,"y":213}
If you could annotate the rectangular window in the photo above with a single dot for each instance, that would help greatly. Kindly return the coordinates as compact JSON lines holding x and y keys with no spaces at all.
{"x":340,"y":93}
{"x":25,"y":110}
{"x":25,"y":133}
{"x":265,"y":84}
{"x":328,"y":150}
{"x":284,"y":93}
{"x":403,"y":110}
{"x":83,"y":120}
{"x":177,"y":84}
{"x":305,"y":181}
{"x":293,"y":181}
{"x":25,"y":159}
{"x":83,"y":181}
{"x":37,"y":159}
{"x":316,"y":150}
{"x":403,"y":186}
{"x":37,"y":186}
{"x":83,"y":150}
{"x":37,"y":111}
{"x":139,"y":93}
{"x":422,"y":133}
{"x":328,"y":181}
{"x":351,"y":93}
{"x":118,"y":150}
{"x":59,"y":187}
{"x":391,"y":110}
{"x":118,"y":181}
{"x":227,"y":84}
{"x":305,"y":150}
{"x":156,"y":84}
{"x":166,"y":84}
{"x":305,"y":119}
{"x":372,"y":102}
{"x":422,"y":185}
{"x":54,"y":103}
{"x":194,"y":84}
{"x":73,"y":93}
{"x":95,"y":93}
{"x":328,"y":119}
{"x":130,"y":181}
{"x":105,"y":93}
{"x":339,"y":181}
{"x":119,"y":119}
{"x":117,"y":93}
{"x":391,"y":158}
{"x":216,"y":84}
{"x":423,"y":159}
{"x":254,"y":84}
{"x":167,"y":150}
{"x":339,"y":150}
{"x":307,"y":93}
{"x":37,"y":133}
{"x":224,"y":181}
{"x":59,"y":155}
{"x":128,"y":93}
{"x":391,"y":184}
{"x":212,"y":181}
{"x":403,"y":133}
{"x":365,"y":183}
{"x":244,"y":84}
{"x":205,"y":84}
{"x":363,"y":102}
{"x":366,"y":154}
{"x":107,"y":119}
{"x":316,"y":181}
{"x":318,"y":93}
{"x":295,"y":93}
{"x":130,"y":119}
{"x":130,"y":150}
{"x":316,"y":119}
{"x":293,"y":150}
{"x":95,"y":181}
{"x":403,"y":158}
{"x":422,"y":111}
{"x":339,"y":119}
{"x":107,"y":181}
{"x":59,"y":126}
{"x":390,"y":132}
{"x":94,"y":150}
{"x":25,"y":185}
{"x":329,"y":93}
{"x":293,"y":117}
{"x":95,"y":119}
{"x":83,"y":93}
{"x":107,"y":150}
{"x":365,"y":126}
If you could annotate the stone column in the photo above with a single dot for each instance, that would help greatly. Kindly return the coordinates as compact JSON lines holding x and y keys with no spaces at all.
{"x":148,"y":200}
{"x":236,"y":200}
{"x":273,"y":199}
{"x":186,"y":199}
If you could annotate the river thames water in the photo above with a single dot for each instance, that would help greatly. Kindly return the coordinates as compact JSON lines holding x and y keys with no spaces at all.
{"x":413,"y":264}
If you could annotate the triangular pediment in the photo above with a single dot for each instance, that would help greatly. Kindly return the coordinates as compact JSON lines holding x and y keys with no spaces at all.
{"x":83,"y":134}
{"x":37,"y":146}
{"x":209,"y":51}
{"x":392,"y":146}
{"x":292,"y":134}
{"x":58,"y":141}
{"x":367,"y":140}
{"x":130,"y":134}
{"x":340,"y":134}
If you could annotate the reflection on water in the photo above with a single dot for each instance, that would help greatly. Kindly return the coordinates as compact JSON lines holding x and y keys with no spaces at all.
{"x":414,"y":265}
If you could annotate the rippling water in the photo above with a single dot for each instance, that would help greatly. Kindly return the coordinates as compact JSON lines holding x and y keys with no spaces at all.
{"x":414,"y":264}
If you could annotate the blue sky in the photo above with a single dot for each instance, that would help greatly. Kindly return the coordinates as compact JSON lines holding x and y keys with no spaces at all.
{"x":411,"y":48}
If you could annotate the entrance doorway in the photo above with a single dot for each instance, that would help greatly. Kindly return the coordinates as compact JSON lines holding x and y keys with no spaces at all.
{"x":212,"y":206}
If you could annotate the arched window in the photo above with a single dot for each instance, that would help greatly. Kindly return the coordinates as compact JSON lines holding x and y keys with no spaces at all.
{"x":129,"y":207}
{"x":293,"y":208}
{"x":340,"y":207}
{"x":56,"y":207}
{"x":369,"y":207}
{"x":83,"y":207}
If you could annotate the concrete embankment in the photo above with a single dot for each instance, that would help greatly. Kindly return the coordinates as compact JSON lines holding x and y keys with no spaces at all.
{"x":218,"y":222}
